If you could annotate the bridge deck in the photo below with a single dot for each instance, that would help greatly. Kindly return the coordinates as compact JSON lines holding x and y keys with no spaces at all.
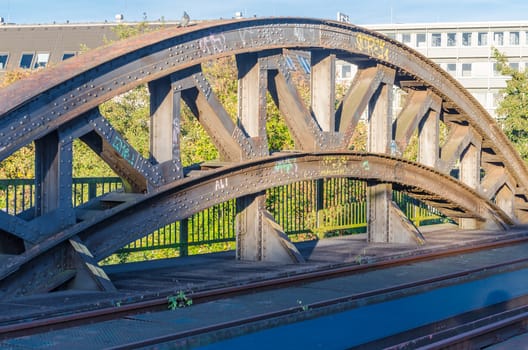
{"x":132,"y":328}
{"x":141,"y":281}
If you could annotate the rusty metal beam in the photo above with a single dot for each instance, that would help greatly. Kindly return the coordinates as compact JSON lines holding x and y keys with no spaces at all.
{"x":117,"y":226}
{"x":53,"y":183}
{"x":429,"y":139}
{"x":44,"y":273}
{"x":323,"y":84}
{"x":505,"y":199}
{"x":493,"y":180}
{"x":231,"y":141}
{"x":303,"y":127}
{"x":459,"y":138}
{"x":57,"y":105}
{"x":165,"y":128}
{"x":252,"y":88}
{"x":98,"y":76}
{"x":19,"y":228}
{"x":365,"y":84}
{"x":417,"y":107}
{"x":470,"y":175}
{"x":220,"y":185}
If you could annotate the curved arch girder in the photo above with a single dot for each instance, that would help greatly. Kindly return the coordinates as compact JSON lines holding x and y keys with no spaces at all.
{"x":32,"y":108}
{"x":60,"y":104}
{"x":103,"y":234}
{"x":176,"y":202}
{"x":122,"y":224}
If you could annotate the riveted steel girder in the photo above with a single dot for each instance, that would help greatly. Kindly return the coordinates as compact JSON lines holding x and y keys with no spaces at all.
{"x":102,"y":234}
{"x":61,"y":104}
{"x":196,"y":194}
{"x":32,"y":108}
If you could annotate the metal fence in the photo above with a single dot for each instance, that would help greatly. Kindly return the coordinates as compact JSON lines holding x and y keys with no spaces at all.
{"x":18,"y":195}
{"x":318,"y":207}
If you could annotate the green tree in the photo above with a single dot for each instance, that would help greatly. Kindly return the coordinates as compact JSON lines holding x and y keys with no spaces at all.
{"x":513,"y":108}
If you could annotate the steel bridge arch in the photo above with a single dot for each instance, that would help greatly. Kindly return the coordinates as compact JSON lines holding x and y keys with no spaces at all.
{"x":135,"y":214}
{"x":57,"y":105}
{"x":183,"y":199}
{"x":81,"y":84}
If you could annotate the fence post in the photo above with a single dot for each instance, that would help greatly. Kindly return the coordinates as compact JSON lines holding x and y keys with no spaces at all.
{"x":92,"y":190}
{"x":184,"y":237}
{"x":319,"y":202}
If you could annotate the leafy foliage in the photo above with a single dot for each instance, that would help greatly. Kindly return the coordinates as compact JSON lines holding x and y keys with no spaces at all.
{"x":20,"y":165}
{"x":179,"y":300}
{"x":514,"y":106}
{"x":13,"y":75}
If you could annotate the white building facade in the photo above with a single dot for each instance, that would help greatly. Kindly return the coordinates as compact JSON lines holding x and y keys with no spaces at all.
{"x":465,"y":51}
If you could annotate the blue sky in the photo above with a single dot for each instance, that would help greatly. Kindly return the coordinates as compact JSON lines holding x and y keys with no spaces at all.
{"x":360,"y":11}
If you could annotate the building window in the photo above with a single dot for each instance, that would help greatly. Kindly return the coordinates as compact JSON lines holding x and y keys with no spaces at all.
{"x":514,"y":66}
{"x":3,"y":60}
{"x":482,"y":39}
{"x":420,"y":40}
{"x":406,"y":39}
{"x":498,"y":38}
{"x":497,"y":99}
{"x":26,"y":60}
{"x":346,"y":71}
{"x":436,"y":39}
{"x":466,"y":69}
{"x":41,"y":60}
{"x":482,"y":97}
{"x":451,"y":68}
{"x":514,"y":38}
{"x":67,"y":55}
{"x":466,"y":39}
{"x":451,"y":39}
{"x":496,"y":71}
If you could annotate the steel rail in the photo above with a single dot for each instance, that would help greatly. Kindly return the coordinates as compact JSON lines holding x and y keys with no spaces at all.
{"x":157,"y":303}
{"x":317,"y":306}
{"x":494,"y":329}
{"x":512,"y":321}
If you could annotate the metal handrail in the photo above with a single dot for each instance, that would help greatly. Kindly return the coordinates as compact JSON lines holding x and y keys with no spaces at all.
{"x":319,"y":208}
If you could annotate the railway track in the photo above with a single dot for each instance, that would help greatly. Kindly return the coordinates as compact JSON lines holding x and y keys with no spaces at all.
{"x":481,"y":328}
{"x":293,"y":312}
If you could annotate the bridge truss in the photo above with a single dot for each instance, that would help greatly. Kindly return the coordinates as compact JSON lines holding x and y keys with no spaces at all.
{"x":56,"y":245}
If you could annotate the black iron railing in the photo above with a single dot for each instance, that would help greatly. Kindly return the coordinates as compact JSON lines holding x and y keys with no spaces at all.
{"x":316,"y":207}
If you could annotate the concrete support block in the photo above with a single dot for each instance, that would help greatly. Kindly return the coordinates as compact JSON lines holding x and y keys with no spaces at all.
{"x":402,"y":230}
{"x":259,"y":237}
{"x":386,"y":221}
{"x":379,"y":198}
{"x":89,"y":276}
